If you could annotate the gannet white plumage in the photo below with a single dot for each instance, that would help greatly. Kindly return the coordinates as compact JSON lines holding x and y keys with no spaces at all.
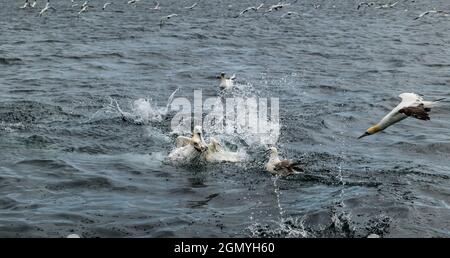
{"x":33,"y":4}
{"x":188,"y":149}
{"x":191,"y":7}
{"x":283,"y":167}
{"x":73,"y":3}
{"x":217,"y":153}
{"x":430,"y":12}
{"x":259,"y":6}
{"x":412,"y":105}
{"x":276,"y":7}
{"x":164,"y":19}
{"x":106,"y":5}
{"x":45,"y":9}
{"x":25,"y":5}
{"x":247,"y":9}
{"x":388,"y":5}
{"x":156,"y":6}
{"x":226,"y":83}
{"x":83,"y":9}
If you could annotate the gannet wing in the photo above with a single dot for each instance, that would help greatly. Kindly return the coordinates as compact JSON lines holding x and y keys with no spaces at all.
{"x":183,"y":141}
{"x":420,"y":112}
{"x":409,"y":99}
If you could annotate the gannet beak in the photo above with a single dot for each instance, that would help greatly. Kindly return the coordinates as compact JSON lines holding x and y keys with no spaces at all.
{"x":364,"y":135}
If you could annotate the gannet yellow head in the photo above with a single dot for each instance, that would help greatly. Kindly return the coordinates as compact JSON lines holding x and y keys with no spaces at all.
{"x":372,"y":130}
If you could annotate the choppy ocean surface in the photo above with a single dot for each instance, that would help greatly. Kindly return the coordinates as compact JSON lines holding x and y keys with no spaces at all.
{"x":69,"y":163}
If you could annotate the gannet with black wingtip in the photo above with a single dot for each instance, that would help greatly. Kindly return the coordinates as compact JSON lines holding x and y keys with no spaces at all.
{"x":45,"y":9}
{"x":83,"y":9}
{"x":226,"y":83}
{"x":430,"y":12}
{"x":385,"y":6}
{"x":412,"y":105}
{"x":247,"y":9}
{"x":187,"y":149}
{"x":25,"y":5}
{"x":276,"y":7}
{"x":283,"y":167}
{"x":164,"y":19}
{"x":106,"y":5}
{"x":217,"y":153}
{"x":366,"y":4}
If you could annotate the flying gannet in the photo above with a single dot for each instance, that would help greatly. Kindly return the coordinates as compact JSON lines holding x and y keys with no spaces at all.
{"x":226,"y":83}
{"x":430,"y":12}
{"x":276,"y":7}
{"x":164,"y":19}
{"x":45,"y":9}
{"x":73,"y":3}
{"x":247,"y":9}
{"x":156,"y":6}
{"x":259,"y":6}
{"x":412,"y":105}
{"x":385,"y":6}
{"x":365,"y":4}
{"x":25,"y":5}
{"x":33,"y":4}
{"x":106,"y":5}
{"x":191,"y":7}
{"x":281,"y":167}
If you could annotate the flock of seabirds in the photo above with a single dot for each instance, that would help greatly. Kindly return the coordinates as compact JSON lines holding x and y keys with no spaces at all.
{"x":84,"y":6}
{"x":194,"y":147}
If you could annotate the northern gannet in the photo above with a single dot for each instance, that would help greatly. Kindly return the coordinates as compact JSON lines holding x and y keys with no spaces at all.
{"x":33,"y":4}
{"x":247,"y":9}
{"x":216,"y":153}
{"x":106,"y":5}
{"x":384,"y":6}
{"x":259,"y":6}
{"x":191,"y":7}
{"x":429,"y":12}
{"x":73,"y":3}
{"x":226,"y":83}
{"x":85,"y":3}
{"x":25,"y":5}
{"x":164,"y":19}
{"x":45,"y":9}
{"x":281,"y":167}
{"x":276,"y":7}
{"x":156,"y":6}
{"x":412,"y":105}
{"x":366,"y":4}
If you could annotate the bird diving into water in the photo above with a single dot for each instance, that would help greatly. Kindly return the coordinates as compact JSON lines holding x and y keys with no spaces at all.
{"x":412,"y":105}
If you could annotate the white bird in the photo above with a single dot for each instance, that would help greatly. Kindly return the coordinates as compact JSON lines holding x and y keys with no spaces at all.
{"x":83,"y":9}
{"x":25,"y":5}
{"x":283,"y":167}
{"x":429,"y":12}
{"x":45,"y":9}
{"x":85,"y":4}
{"x":276,"y":7}
{"x":226,"y":83}
{"x":259,"y":6}
{"x":188,"y":149}
{"x":384,"y":6}
{"x":216,"y":153}
{"x":412,"y":105}
{"x":73,"y":3}
{"x":247,"y":9}
{"x":164,"y":19}
{"x":106,"y":5}
{"x":366,"y":4}
{"x":191,"y":7}
{"x":33,"y":4}
{"x":156,"y":6}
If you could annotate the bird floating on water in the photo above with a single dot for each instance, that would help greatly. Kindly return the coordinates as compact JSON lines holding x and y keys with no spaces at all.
{"x":188,"y":149}
{"x":283,"y":167}
{"x":217,"y":153}
{"x":226,"y":83}
{"x":412,"y":105}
